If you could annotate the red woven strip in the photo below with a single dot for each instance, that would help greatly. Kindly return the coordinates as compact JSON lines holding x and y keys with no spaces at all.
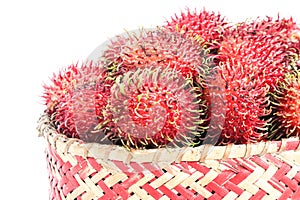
{"x":292,"y":184}
{"x":224,"y":177}
{"x":108,"y":193}
{"x":297,"y":177}
{"x":259,"y":195}
{"x":122,"y":192}
{"x":184,"y":167}
{"x":170,"y":193}
{"x":292,"y":145}
{"x":241,"y":175}
{"x":94,"y":164}
{"x":198,"y":197}
{"x":215,"y":196}
{"x":217,"y":189}
{"x":56,"y":195}
{"x":185,"y":192}
{"x":282,"y":170}
{"x":286,"y":194}
{"x":153,"y":192}
{"x":274,"y":160}
{"x":66,"y":167}
{"x":277,"y":185}
{"x":121,"y":166}
{"x":245,"y":163}
{"x":201,"y":168}
{"x":69,"y":183}
{"x":137,"y":167}
{"x":132,"y":179}
{"x":296,"y":195}
{"x":233,"y":187}
{"x":153,"y":169}
{"x":260,"y":162}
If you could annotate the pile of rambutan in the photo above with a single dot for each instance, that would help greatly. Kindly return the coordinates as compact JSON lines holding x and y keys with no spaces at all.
{"x":198,"y":79}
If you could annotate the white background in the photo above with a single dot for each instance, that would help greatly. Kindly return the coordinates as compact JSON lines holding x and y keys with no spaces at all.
{"x":37,"y":38}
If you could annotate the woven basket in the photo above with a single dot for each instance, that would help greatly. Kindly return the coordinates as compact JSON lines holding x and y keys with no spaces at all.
{"x":266,"y":170}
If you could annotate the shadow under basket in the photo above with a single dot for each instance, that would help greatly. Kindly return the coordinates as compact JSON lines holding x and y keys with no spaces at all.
{"x":265,"y":170}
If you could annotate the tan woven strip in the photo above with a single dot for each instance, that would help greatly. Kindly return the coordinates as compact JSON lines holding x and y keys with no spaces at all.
{"x":273,"y":193}
{"x":161,"y":180}
{"x":269,"y":173}
{"x":227,"y":152}
{"x":134,"y":197}
{"x":100,"y":175}
{"x":211,"y":175}
{"x":230,"y":195}
{"x":244,"y":195}
{"x":247,"y":183}
{"x":207,"y":149}
{"x":201,"y":190}
{"x":290,"y":157}
{"x":144,"y":180}
{"x":79,"y":190}
{"x":265,"y":149}
{"x":292,"y":173}
{"x":177,"y":180}
{"x":191,"y":179}
{"x":192,"y":154}
{"x":283,"y":145}
{"x":141,"y":193}
{"x":164,"y":198}
{"x":180,"y":155}
{"x":115,"y":178}
{"x":94,"y":190}
{"x":248,"y":152}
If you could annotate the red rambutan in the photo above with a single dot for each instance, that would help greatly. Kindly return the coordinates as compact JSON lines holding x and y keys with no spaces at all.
{"x":154,"y":107}
{"x":252,"y":62}
{"x":76,"y":98}
{"x":246,"y":103}
{"x":208,"y":28}
{"x":281,"y":35}
{"x":286,"y":106}
{"x":157,"y":47}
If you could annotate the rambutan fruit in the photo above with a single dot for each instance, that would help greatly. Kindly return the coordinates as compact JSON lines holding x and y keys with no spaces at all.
{"x":157,"y":47}
{"x":76,"y":98}
{"x":61,"y":85}
{"x":208,"y":28}
{"x":264,"y":55}
{"x":252,"y":62}
{"x":154,"y":107}
{"x":278,"y":37}
{"x":246,"y":103}
{"x":286,"y":106}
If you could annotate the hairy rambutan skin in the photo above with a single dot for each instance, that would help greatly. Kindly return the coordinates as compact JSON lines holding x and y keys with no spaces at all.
{"x":61,"y":85}
{"x":157,"y":47}
{"x":253,"y":60}
{"x":75,"y":99}
{"x":282,"y":35}
{"x":208,"y":28}
{"x":154,"y":107}
{"x":264,"y":55}
{"x":245,"y":101}
{"x":286,"y":108}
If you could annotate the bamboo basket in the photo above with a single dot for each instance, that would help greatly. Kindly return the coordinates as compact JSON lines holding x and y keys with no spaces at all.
{"x":79,"y":171}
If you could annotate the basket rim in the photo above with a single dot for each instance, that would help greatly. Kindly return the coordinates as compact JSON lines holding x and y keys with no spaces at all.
{"x":202,"y":153}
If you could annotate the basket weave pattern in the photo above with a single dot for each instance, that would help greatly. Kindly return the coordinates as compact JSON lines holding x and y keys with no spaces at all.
{"x":268,"y":170}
